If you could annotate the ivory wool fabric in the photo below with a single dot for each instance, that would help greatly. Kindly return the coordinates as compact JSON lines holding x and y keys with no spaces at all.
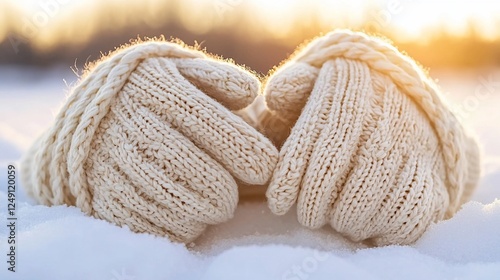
{"x":368,"y":144}
{"x":147,"y":139}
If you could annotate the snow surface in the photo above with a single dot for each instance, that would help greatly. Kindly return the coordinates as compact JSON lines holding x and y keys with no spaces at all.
{"x":62,"y":243}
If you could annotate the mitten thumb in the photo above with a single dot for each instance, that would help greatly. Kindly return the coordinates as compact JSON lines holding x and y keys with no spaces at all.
{"x":285,"y":94}
{"x":231,"y":85}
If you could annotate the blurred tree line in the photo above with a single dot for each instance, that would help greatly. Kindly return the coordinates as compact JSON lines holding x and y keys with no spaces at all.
{"x":438,"y":50}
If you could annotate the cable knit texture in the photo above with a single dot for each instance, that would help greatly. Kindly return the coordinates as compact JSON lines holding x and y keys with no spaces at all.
{"x":368,"y":145}
{"x":147,"y":140}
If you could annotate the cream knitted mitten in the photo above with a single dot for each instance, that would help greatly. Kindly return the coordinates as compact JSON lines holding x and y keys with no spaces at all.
{"x":371,"y":147}
{"x":147,"y":140}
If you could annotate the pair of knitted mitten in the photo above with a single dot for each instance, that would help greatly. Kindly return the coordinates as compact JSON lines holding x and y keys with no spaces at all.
{"x":368,"y":145}
{"x":148,"y":139}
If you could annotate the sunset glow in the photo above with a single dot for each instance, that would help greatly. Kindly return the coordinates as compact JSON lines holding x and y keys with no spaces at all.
{"x":46,"y":22}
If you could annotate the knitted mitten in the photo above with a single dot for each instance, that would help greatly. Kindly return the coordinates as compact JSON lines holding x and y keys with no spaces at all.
{"x":371,"y":147}
{"x":147,"y":140}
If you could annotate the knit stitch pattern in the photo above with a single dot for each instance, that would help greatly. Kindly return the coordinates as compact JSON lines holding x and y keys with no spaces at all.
{"x":148,"y":139}
{"x":368,"y":144}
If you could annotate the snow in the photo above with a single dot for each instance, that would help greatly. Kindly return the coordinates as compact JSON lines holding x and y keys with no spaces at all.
{"x":62,"y":243}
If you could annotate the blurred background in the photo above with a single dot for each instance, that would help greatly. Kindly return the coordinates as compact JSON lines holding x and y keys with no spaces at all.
{"x":44,"y":45}
{"x":258,"y":33}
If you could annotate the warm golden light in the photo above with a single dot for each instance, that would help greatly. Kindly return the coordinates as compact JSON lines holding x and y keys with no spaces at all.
{"x":46,"y":23}
{"x":455,"y":17}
